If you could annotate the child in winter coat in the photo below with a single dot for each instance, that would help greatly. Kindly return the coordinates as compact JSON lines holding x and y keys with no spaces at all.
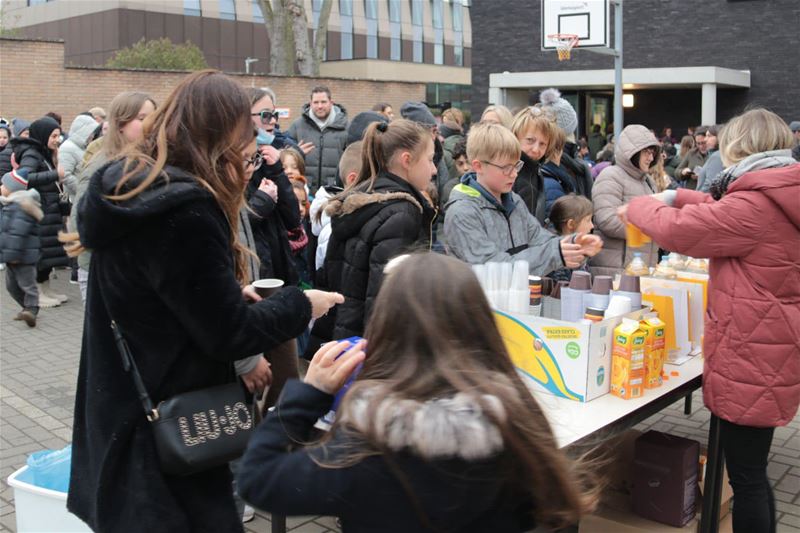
{"x":382,"y":215}
{"x":486,"y":221}
{"x":437,"y":432}
{"x":570,"y":215}
{"x":294,"y":166}
{"x":19,"y":241}
{"x":298,"y":237}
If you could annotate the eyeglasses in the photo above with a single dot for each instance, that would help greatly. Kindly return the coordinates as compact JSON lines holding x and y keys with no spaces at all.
{"x":266,"y":115}
{"x":256,"y":161}
{"x":651,"y":151}
{"x":507,"y":169}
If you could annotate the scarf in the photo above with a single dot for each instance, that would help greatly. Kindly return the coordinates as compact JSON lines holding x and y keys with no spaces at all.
{"x":759,"y":161}
{"x":298,"y":239}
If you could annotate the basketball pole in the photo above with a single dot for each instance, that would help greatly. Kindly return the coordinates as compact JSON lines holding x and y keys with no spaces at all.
{"x":617,"y":69}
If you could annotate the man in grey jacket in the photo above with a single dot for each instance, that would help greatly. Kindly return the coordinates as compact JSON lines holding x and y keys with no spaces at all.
{"x":324,"y":124}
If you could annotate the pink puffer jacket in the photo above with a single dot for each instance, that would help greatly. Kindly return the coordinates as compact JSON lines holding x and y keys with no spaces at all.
{"x":752,"y":337}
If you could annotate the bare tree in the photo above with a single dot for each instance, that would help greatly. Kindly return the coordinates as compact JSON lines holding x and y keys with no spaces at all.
{"x":287,"y":28}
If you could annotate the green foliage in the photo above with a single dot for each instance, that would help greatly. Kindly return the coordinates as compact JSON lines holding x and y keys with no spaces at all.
{"x":160,"y":54}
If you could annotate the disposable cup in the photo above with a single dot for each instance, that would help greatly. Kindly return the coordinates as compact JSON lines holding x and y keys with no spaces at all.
{"x":267,"y":287}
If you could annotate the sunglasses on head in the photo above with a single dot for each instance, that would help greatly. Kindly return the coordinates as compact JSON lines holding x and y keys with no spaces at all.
{"x":266,"y":115}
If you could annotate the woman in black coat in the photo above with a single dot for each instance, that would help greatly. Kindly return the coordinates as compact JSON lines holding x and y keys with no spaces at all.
{"x":39,"y":155}
{"x":382,"y":216}
{"x":168,"y":268}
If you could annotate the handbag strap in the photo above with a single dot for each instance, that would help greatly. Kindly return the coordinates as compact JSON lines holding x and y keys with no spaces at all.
{"x":129,"y":364}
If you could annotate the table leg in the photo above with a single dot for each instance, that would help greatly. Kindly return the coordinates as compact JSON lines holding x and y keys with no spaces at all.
{"x":687,"y":407}
{"x":278,"y":523}
{"x":709,"y":519}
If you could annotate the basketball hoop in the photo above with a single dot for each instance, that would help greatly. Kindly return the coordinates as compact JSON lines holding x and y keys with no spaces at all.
{"x":564,"y":42}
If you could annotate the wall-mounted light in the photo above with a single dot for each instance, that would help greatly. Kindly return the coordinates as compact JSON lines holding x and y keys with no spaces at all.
{"x":627,"y":100}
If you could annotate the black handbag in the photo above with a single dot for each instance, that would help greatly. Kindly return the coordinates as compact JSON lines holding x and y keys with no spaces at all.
{"x":197,"y":430}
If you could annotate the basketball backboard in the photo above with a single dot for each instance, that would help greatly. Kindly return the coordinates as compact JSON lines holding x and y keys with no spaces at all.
{"x":588,"y":19}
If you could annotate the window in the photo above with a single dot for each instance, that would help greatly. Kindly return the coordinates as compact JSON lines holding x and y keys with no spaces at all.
{"x":371,"y":11}
{"x":416,"y":22}
{"x":192,"y":8}
{"x":258,"y":16}
{"x":227,"y":9}
{"x":346,"y":17}
{"x":37,"y":2}
{"x":395,"y":25}
{"x":458,"y":33}
{"x":437,"y":8}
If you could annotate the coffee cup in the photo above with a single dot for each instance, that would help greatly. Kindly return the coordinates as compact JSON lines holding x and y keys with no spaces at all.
{"x":267,"y":287}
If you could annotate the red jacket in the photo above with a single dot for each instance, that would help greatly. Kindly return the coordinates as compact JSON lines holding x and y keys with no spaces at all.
{"x":752,"y":337}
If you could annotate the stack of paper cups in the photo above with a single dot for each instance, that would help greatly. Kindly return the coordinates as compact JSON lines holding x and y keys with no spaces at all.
{"x":619,"y":305}
{"x":518,"y":291}
{"x":535,"y":295}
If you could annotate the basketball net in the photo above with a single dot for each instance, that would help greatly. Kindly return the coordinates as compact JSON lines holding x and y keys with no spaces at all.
{"x":564,"y":42}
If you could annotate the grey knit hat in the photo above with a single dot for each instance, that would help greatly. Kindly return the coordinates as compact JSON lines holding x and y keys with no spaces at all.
{"x":794,"y":126}
{"x":16,"y":180}
{"x":417,"y":112}
{"x":566,"y":118}
{"x":19,"y":126}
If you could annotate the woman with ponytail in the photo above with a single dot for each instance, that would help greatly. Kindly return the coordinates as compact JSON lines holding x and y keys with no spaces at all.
{"x":382,"y":215}
{"x":168,"y":267}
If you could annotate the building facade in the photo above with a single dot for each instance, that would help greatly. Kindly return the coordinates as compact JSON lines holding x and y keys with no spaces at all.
{"x":685,"y":62}
{"x":390,"y":40}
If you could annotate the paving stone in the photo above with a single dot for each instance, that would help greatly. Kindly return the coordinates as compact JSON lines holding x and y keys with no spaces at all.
{"x":789,"y":484}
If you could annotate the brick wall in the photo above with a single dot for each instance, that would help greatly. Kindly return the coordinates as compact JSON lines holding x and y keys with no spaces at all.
{"x":34,"y":80}
{"x":755,"y":35}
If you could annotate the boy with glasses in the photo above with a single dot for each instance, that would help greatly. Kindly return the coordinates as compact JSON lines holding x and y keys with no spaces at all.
{"x":486,"y":221}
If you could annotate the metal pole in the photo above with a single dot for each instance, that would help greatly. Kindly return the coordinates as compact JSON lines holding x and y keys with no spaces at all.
{"x":617,"y":69}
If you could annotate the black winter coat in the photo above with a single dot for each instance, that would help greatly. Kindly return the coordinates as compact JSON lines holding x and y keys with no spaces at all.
{"x":579,"y":170}
{"x":270,"y":220}
{"x":43,"y":176}
{"x":322,"y":164}
{"x":19,"y":228}
{"x":5,"y":159}
{"x":369,"y":229}
{"x":162,"y":266}
{"x":454,"y":495}
{"x":530,"y":186}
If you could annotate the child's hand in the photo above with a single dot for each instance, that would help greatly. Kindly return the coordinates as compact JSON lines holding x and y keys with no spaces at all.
{"x":327,"y":372}
{"x":259,"y":378}
{"x":590,"y":244}
{"x":268,"y":187}
{"x":573,"y":257}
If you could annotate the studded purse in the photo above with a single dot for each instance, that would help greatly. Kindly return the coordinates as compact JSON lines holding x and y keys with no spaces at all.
{"x":197,"y":430}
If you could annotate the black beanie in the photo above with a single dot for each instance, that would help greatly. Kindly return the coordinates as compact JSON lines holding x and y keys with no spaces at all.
{"x":357,"y":127}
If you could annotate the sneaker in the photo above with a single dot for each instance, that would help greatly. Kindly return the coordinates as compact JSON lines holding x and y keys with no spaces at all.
{"x":29,"y":318}
{"x":45,"y":300}
{"x":44,"y":288}
{"x":248,"y":514}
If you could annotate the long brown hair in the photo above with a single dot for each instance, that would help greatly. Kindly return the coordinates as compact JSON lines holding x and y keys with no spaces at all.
{"x":124,"y":108}
{"x":431,"y":335}
{"x":202,"y":128}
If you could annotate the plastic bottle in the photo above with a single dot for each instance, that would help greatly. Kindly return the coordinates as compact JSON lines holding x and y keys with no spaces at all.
{"x":676,"y":261}
{"x":665,"y":271}
{"x":697,"y":265}
{"x":637,"y":266}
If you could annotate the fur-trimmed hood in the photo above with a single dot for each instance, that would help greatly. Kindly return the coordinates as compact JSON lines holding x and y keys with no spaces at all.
{"x":29,"y":201}
{"x":350,"y":213}
{"x":441,"y":428}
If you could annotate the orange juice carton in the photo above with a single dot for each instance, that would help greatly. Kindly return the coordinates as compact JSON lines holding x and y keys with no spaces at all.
{"x":627,"y":360}
{"x":654,"y":350}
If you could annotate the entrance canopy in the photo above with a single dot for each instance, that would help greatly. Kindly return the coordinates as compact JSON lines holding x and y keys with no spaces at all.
{"x":504,"y":87}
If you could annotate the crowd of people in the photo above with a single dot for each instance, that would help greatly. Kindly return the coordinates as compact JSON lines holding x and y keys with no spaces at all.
{"x":167,"y":212}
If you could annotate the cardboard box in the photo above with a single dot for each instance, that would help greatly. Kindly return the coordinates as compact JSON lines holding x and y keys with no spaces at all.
{"x":568,"y":359}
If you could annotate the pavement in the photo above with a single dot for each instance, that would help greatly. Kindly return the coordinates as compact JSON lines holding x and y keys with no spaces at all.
{"x":38,"y":373}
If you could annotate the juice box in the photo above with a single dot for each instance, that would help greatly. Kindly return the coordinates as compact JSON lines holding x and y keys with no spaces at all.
{"x":654,"y":351}
{"x":627,"y":360}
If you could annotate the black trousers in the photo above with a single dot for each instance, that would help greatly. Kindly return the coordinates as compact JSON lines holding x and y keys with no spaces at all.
{"x":746,"y":451}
